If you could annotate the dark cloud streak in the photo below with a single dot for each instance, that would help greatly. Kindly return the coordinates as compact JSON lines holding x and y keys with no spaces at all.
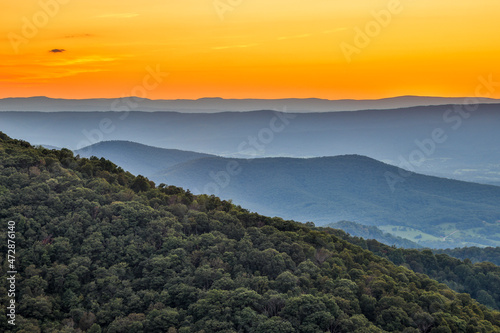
{"x":57,"y":50}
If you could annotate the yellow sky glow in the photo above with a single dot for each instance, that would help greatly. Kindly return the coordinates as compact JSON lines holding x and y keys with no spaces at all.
{"x":248,"y":48}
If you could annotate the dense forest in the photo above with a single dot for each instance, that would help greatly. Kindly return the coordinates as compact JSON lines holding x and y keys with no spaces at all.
{"x":481,"y":279}
{"x":100,"y":250}
{"x":474,"y":254}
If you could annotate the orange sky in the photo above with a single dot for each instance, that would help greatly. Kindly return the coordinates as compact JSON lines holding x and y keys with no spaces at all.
{"x":248,"y":48}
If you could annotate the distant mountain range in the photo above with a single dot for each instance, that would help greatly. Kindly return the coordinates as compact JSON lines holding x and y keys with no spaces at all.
{"x":467,"y":149}
{"x":46,"y":104}
{"x":430,"y":211}
{"x":140,"y":159}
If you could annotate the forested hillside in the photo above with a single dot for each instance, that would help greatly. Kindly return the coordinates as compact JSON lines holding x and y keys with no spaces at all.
{"x":419,"y":208}
{"x":474,"y":254}
{"x":480,"y":279}
{"x":100,"y":250}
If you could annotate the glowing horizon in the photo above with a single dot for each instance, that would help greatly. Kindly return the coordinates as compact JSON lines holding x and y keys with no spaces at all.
{"x":248,"y":48}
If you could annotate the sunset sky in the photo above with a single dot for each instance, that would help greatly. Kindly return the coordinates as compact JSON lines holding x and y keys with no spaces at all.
{"x":248,"y":48}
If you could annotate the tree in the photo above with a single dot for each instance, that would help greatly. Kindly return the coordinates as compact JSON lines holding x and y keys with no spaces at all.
{"x":275,"y":325}
{"x":140,"y":184}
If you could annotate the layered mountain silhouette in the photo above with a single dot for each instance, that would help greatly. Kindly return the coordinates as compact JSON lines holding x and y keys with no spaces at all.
{"x":138,"y":158}
{"x":329,"y":189}
{"x":445,"y":141}
{"x":42,"y":103}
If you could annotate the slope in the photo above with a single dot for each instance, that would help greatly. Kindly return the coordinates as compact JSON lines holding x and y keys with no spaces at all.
{"x":474,"y":254}
{"x":481,"y":279}
{"x":420,"y":208}
{"x":353,"y":188}
{"x":139,"y":159}
{"x":101,"y":250}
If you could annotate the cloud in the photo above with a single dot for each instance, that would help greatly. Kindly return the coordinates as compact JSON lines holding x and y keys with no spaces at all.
{"x":79,"y":61}
{"x":118,"y":15}
{"x":233,"y":46}
{"x":335,"y":30}
{"x":47,"y":77}
{"x":294,"y":37}
{"x":57,"y":50}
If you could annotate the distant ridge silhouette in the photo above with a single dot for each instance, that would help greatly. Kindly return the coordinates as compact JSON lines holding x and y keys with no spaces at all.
{"x":217,"y":104}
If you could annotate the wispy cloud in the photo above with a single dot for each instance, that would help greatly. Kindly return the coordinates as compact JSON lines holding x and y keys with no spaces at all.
{"x":118,"y":15}
{"x":335,"y":30}
{"x":57,"y":50}
{"x":294,"y":37}
{"x":79,"y":61}
{"x":47,"y":77}
{"x":233,"y":46}
{"x":51,"y":68}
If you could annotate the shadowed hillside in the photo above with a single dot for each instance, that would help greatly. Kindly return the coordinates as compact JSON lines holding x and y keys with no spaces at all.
{"x":420,"y":208}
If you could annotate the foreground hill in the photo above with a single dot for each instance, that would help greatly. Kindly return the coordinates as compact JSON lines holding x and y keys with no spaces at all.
{"x":474,"y":254}
{"x":101,"y":250}
{"x":466,"y":149}
{"x":420,"y":208}
{"x":481,"y":279}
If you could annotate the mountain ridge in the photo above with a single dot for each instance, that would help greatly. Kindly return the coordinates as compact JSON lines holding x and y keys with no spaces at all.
{"x":347,"y":187}
{"x":216,"y":104}
{"x":468,"y":151}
